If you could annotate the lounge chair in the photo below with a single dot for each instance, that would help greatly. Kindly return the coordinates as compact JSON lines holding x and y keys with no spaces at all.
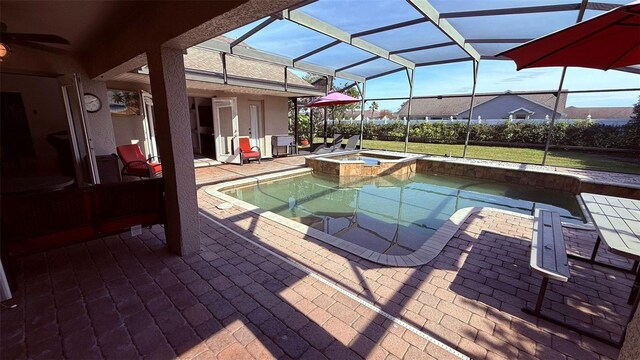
{"x":336,"y":145}
{"x":247,"y":152}
{"x":352,"y":143}
{"x":135,"y":164}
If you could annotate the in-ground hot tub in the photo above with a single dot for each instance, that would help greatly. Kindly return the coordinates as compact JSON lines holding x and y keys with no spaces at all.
{"x":363,"y":163}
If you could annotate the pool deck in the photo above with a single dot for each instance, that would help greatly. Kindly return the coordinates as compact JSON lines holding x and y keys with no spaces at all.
{"x":260,"y":290}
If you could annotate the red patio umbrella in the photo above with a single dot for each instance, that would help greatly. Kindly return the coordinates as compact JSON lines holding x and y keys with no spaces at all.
{"x":607,"y":41}
{"x":331,"y":99}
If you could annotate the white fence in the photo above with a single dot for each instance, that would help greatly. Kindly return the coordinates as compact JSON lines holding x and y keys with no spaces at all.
{"x":608,"y":122}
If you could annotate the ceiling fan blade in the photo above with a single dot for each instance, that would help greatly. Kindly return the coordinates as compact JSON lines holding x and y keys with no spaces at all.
{"x":41,"y":47}
{"x":46,"y":38}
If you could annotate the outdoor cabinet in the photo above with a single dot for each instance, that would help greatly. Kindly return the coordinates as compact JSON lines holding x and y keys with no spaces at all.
{"x":281,"y":144}
{"x":108,"y":169}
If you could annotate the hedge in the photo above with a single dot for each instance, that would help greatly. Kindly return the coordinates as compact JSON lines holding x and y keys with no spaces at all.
{"x":581,"y":133}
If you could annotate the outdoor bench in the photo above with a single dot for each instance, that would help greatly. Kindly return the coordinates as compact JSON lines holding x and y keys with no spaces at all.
{"x":548,"y":252}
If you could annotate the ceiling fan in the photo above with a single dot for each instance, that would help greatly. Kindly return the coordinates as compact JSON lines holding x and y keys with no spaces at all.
{"x":34,"y":41}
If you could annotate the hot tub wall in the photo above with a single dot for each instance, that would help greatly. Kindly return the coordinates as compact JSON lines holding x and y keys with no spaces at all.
{"x":357,"y":168}
{"x":542,"y":180}
{"x":324,"y":167}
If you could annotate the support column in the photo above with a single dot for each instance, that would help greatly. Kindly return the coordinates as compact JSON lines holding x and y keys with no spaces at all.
{"x":476,"y":65}
{"x":362,"y":95}
{"x":295,"y":124}
{"x":326,"y":108}
{"x":553,"y":116}
{"x":171,"y":110}
{"x":406,"y":130}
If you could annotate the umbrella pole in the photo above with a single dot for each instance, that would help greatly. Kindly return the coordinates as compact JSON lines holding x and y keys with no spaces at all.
{"x":325,"y":125}
{"x":311,"y":130}
{"x":476,"y":65}
{"x":553,"y":116}
{"x":406,"y":130}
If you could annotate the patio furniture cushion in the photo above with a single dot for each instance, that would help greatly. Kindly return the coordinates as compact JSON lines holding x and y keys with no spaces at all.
{"x":36,"y":222}
{"x":40,"y":221}
{"x":248,"y":152}
{"x":143,"y":170}
{"x":135,"y":164}
{"x":251,"y":154}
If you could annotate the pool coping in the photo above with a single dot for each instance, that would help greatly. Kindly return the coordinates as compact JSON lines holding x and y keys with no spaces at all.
{"x":400,"y":157}
{"x":427,"y":252}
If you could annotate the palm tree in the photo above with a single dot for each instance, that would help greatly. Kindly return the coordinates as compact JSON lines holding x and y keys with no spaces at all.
{"x":118,"y":97}
{"x":373,"y":107}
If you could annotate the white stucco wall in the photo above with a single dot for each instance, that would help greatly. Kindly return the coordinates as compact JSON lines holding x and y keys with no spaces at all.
{"x":129,"y":130}
{"x":29,"y":60}
{"x":275,"y":118}
{"x":100,"y":126}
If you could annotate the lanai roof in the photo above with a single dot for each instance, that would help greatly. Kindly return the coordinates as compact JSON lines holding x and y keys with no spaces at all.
{"x":359,"y":41}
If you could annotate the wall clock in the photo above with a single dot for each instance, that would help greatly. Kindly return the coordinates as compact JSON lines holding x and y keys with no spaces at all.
{"x":92,"y":103}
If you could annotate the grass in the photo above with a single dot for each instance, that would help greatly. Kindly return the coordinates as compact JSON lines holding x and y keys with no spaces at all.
{"x":615,"y":162}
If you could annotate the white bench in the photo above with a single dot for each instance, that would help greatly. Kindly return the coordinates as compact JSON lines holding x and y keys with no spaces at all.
{"x":548,"y":252}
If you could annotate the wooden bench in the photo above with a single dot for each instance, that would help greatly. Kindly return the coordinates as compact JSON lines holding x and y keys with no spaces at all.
{"x":548,"y":252}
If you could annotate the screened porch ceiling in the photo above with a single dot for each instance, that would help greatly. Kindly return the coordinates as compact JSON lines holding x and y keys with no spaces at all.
{"x":364,"y":40}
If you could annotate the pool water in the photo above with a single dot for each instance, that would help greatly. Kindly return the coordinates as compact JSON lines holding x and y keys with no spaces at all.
{"x":393,"y":216}
{"x":368,"y":161}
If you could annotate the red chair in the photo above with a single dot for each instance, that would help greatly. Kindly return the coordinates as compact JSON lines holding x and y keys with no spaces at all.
{"x":247,"y":152}
{"x":135,"y":164}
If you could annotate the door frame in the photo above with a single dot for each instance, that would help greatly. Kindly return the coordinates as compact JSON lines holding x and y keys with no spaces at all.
{"x":73,"y":98}
{"x":149,"y":129}
{"x":256,"y":140}
{"x":234,"y":155}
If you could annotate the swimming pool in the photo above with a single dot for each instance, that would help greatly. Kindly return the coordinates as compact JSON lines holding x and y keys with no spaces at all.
{"x":394,"y":216}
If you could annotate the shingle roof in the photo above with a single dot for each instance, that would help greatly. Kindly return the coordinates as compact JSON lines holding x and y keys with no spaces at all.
{"x":456,"y":105}
{"x":198,"y":58}
{"x":573,"y":112}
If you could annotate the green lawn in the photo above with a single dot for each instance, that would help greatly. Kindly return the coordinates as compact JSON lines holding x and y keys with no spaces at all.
{"x":566,"y":158}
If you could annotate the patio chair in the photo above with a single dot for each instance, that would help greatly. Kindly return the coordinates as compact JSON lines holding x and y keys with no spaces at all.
{"x":352,"y":143}
{"x":248,"y":152}
{"x":135,"y":164}
{"x":336,"y":145}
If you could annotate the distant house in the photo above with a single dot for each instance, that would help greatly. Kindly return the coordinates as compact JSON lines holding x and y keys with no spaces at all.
{"x":599,"y":113}
{"x":503,"y":106}
{"x":368,"y":114}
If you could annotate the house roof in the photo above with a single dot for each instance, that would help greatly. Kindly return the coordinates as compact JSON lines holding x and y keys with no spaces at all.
{"x":573,"y":112}
{"x":199,"y":58}
{"x":205,"y":73}
{"x":356,"y":113}
{"x":456,"y":105}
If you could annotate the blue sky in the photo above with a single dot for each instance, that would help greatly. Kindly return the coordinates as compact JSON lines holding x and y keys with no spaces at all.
{"x":291,"y":40}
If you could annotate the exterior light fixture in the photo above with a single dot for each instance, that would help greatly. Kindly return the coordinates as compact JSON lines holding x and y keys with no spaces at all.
{"x":4,"y":51}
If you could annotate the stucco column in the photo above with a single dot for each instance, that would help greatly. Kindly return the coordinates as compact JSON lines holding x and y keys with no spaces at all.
{"x":173,"y":132}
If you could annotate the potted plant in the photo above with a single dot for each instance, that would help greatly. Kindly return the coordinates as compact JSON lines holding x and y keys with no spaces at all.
{"x":303,"y":140}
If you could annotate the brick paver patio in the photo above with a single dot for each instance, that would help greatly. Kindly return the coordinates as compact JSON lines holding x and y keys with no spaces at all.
{"x":126,"y":297}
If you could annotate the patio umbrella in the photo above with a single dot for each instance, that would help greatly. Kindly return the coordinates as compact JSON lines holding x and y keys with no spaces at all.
{"x":332,"y":99}
{"x":610,"y":40}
